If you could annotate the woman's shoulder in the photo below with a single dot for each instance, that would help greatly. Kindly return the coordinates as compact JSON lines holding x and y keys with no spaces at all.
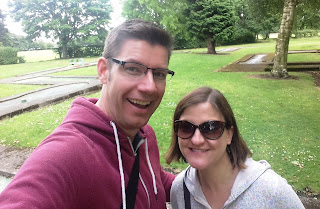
{"x":179,"y":178}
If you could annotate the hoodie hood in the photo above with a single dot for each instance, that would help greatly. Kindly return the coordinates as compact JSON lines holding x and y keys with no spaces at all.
{"x":256,"y":186}
{"x":246,"y":177}
{"x":84,"y":112}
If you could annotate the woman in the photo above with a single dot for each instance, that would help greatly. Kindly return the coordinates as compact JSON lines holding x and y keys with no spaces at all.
{"x":222,"y":173}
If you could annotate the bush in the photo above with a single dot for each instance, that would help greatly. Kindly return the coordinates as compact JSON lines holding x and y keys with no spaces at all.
{"x":82,"y":51}
{"x":239,"y":36}
{"x":8,"y":55}
{"x":187,"y":43}
{"x":306,"y":33}
{"x":21,"y":59}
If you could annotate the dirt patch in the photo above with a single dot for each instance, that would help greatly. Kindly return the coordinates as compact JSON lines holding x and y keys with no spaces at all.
{"x":315,"y":75}
{"x":269,"y":76}
{"x":11,"y":159}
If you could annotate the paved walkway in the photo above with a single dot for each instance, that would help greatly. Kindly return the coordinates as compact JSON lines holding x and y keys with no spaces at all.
{"x":61,"y":87}
{"x":264,"y":62}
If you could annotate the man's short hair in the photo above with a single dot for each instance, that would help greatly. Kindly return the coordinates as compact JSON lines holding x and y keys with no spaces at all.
{"x":136,"y":29}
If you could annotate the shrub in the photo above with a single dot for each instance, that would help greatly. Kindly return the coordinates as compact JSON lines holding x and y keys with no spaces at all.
{"x":306,"y":33}
{"x":21,"y":59}
{"x":82,"y":51}
{"x":181,"y":42}
{"x":239,"y":36}
{"x":8,"y":55}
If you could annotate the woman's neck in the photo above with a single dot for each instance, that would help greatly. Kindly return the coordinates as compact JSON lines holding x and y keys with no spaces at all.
{"x":216,"y":182}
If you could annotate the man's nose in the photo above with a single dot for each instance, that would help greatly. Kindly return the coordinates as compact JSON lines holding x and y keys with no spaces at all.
{"x":148,"y":82}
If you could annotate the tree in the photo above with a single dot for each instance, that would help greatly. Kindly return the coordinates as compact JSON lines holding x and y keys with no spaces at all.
{"x":142,"y":9}
{"x":289,"y":7}
{"x":266,"y":14}
{"x":308,"y":16}
{"x":64,"y":20}
{"x":4,"y":33}
{"x":279,"y":69}
{"x":246,"y":28}
{"x":211,"y":20}
{"x":167,"y":13}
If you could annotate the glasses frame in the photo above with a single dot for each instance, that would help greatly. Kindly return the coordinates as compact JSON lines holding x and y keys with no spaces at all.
{"x":224,"y":125}
{"x":122,"y":63}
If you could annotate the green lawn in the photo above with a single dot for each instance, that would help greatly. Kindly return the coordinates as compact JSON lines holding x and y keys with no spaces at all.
{"x":311,"y":57}
{"x":19,"y":69}
{"x":278,"y":119}
{"x":88,"y":71}
{"x":10,"y":89}
{"x":38,"y":55}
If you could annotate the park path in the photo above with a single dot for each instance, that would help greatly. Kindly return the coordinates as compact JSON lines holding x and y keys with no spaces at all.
{"x":60,"y":88}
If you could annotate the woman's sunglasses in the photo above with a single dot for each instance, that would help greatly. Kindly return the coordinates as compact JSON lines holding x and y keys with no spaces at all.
{"x":210,"y":129}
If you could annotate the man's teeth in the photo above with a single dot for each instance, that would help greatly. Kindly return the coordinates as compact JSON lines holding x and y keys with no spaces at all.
{"x":139,"y":102}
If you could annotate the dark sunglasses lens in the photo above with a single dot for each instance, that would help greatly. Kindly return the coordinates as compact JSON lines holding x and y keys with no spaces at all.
{"x":212,"y":129}
{"x":184,"y":129}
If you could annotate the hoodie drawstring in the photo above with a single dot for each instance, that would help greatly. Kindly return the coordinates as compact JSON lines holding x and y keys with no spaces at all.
{"x":123,"y":188}
{"x":151,"y":171}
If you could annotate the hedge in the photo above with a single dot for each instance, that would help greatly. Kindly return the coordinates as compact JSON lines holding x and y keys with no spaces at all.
{"x":8,"y":55}
{"x":306,"y":33}
{"x":82,"y":51}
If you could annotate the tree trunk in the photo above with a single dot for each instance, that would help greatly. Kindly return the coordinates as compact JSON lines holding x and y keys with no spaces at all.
{"x":64,"y":51}
{"x":211,"y":44}
{"x":279,"y":69}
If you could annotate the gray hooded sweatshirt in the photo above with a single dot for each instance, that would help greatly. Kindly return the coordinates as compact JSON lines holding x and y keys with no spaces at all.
{"x":257,"y":186}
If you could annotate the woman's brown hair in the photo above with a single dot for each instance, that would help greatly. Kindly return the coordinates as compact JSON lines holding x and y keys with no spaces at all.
{"x":237,"y":151}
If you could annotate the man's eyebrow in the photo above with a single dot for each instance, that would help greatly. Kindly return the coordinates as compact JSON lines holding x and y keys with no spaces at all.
{"x":132,"y":60}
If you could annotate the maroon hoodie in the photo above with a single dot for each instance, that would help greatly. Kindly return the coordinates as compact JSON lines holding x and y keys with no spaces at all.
{"x":77,"y":166}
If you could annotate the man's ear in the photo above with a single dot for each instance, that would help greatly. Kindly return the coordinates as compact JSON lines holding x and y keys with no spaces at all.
{"x":102,"y":69}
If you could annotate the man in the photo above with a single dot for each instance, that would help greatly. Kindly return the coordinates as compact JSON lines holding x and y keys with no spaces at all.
{"x":104,"y":154}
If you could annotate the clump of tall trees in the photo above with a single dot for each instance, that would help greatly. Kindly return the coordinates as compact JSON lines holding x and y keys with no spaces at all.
{"x":210,"y":22}
{"x":63,"y":20}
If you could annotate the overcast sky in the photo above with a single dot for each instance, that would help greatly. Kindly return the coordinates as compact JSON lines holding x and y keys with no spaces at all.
{"x":15,"y":27}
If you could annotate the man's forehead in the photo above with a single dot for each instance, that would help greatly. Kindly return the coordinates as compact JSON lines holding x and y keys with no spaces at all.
{"x":135,"y":50}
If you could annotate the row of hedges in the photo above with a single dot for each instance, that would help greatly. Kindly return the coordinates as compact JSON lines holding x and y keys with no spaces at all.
{"x":82,"y":51}
{"x":9,"y":55}
{"x":306,"y":33}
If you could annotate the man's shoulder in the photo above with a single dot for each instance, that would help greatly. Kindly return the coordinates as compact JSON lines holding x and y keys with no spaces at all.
{"x":147,"y":131}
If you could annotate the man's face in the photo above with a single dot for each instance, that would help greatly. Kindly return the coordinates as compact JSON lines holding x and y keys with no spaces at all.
{"x":131,"y":102}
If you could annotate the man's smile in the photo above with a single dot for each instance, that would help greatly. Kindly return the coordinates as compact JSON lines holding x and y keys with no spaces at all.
{"x":140,"y":104}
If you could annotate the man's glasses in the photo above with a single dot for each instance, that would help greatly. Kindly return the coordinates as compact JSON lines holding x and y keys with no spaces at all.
{"x":210,"y":129}
{"x":138,"y":70}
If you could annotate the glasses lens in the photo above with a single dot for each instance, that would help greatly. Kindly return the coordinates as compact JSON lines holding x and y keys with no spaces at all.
{"x":160,"y":74}
{"x":134,"y":69}
{"x":212,"y":129}
{"x":184,"y":129}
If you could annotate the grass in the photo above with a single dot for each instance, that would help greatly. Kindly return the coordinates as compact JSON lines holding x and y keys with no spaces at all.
{"x":10,"y":89}
{"x":307,"y":57}
{"x":88,"y":71}
{"x":278,"y":119}
{"x":35,"y":56}
{"x":19,"y":69}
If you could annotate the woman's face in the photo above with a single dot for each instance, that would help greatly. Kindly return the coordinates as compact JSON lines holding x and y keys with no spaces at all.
{"x":202,"y":153}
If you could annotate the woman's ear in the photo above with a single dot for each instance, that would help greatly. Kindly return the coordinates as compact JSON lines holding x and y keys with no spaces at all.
{"x":230,"y":135}
{"x":102,"y":69}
